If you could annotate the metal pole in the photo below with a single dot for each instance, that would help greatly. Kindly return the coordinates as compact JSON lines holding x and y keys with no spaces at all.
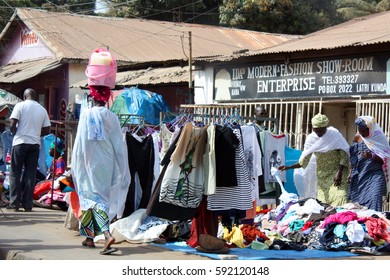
{"x":54,"y":165}
{"x":190,"y":67}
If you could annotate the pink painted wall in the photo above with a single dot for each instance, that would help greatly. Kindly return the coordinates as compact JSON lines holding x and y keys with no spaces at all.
{"x":54,"y":85}
{"x":25,"y":45}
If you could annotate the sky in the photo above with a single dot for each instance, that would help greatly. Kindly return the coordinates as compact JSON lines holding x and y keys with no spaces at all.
{"x":100,"y":6}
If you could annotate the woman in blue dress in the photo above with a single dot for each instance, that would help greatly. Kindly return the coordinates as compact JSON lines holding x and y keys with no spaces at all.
{"x":369,"y":155}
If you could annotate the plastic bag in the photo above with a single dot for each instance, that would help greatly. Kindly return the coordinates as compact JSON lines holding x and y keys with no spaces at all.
{"x":305,"y":179}
{"x":140,"y":102}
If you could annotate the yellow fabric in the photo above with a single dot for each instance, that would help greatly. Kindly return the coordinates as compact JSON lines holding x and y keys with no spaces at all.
{"x":327,"y":166}
{"x":274,"y":235}
{"x":319,"y":121}
{"x":378,"y":242}
{"x":234,"y":236}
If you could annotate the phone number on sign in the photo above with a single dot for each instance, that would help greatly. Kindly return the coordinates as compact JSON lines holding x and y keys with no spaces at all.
{"x":220,"y":270}
{"x":341,"y":79}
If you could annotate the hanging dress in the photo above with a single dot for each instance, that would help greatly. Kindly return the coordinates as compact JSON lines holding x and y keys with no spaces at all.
{"x":183,"y":182}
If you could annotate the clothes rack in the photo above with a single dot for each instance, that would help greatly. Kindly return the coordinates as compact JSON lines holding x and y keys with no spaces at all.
{"x":271,"y":123}
{"x":131,"y":119}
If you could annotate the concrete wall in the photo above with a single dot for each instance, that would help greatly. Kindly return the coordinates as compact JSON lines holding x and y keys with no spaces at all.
{"x":76,"y":74}
{"x":204,"y":86}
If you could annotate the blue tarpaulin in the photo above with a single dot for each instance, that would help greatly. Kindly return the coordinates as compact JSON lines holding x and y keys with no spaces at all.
{"x":135,"y":101}
{"x":251,"y":254}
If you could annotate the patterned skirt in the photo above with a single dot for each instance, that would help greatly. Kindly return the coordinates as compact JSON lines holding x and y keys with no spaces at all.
{"x":93,"y":222}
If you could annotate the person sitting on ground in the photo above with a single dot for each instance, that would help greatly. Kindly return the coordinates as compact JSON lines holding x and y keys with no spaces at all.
{"x":43,"y":190}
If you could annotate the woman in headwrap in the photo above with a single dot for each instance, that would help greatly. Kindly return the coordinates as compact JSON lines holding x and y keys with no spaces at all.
{"x":100,"y":168}
{"x":56,"y":151}
{"x":331,"y":152}
{"x":369,"y":157}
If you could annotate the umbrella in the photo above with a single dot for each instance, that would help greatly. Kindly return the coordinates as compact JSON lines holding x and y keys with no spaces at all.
{"x":7,"y":102}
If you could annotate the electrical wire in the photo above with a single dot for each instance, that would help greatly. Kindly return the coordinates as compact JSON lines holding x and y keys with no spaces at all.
{"x":142,"y":31}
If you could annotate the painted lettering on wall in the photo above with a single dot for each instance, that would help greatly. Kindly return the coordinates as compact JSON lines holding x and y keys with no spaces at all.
{"x":28,"y":38}
{"x":330,"y":77}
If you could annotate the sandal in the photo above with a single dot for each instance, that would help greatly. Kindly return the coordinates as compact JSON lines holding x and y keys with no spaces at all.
{"x":366,"y":251}
{"x":108,"y":251}
{"x":88,"y":244}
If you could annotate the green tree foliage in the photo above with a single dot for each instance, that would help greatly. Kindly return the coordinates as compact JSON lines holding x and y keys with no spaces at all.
{"x":8,"y":7}
{"x":195,"y":11}
{"x":279,"y":16}
{"x":74,"y":6}
{"x":274,"y":16}
{"x":350,"y":9}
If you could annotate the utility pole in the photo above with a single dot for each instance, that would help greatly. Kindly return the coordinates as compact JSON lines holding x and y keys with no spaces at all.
{"x":177,"y":15}
{"x":190,"y":68}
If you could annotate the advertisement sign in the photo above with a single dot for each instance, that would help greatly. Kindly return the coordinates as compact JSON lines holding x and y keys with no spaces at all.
{"x":28,"y":38}
{"x":314,"y":78}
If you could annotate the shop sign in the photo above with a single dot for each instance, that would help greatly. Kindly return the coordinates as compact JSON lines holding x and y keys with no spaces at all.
{"x":344,"y":76}
{"x":28,"y":38}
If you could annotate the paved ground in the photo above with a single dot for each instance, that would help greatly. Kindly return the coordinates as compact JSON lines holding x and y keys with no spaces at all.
{"x":41,"y":234}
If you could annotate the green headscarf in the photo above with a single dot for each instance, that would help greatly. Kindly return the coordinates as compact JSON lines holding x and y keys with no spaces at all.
{"x":319,"y":121}
{"x":59,"y":147}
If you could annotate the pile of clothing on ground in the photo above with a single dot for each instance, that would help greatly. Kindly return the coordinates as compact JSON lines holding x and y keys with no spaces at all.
{"x":310,"y":224}
{"x":297,"y":225}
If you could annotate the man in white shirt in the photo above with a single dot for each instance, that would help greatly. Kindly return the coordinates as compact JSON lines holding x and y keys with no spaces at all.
{"x":29,"y":122}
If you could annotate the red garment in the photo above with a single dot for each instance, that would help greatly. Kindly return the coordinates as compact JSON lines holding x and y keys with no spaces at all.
{"x":205,"y":222}
{"x":60,"y":166}
{"x":251,"y":213}
{"x":377,"y":229}
{"x":264,"y":211}
{"x":75,"y":204}
{"x":100,"y":93}
{"x":307,"y":225}
{"x":42,"y":188}
{"x":251,"y":233}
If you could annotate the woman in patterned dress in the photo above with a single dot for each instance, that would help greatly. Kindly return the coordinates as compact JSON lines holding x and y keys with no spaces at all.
{"x":331,"y":152}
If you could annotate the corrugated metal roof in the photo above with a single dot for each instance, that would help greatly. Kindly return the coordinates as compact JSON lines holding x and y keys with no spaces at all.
{"x":154,"y":76}
{"x":367,"y":30}
{"x":150,"y":76}
{"x":18,"y":72}
{"x":135,"y":40}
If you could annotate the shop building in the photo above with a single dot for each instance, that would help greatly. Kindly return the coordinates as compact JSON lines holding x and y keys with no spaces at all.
{"x":342,"y":71}
{"x":49,"y":52}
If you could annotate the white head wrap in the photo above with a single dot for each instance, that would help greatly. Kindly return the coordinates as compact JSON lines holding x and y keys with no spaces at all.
{"x":331,"y":140}
{"x":377,"y":142}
